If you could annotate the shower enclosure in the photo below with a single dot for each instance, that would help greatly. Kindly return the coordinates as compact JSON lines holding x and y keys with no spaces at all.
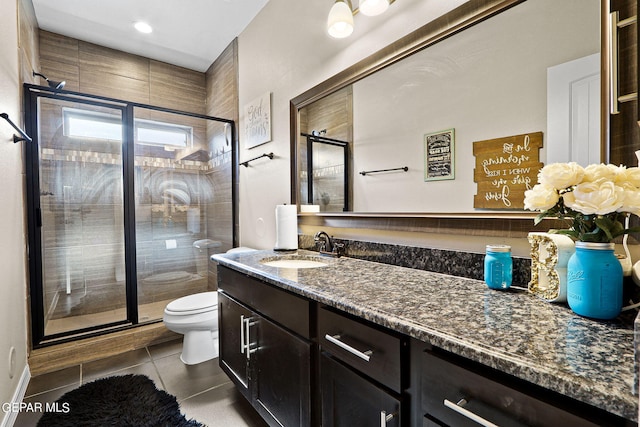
{"x":126,"y":203}
{"x":324,"y":178}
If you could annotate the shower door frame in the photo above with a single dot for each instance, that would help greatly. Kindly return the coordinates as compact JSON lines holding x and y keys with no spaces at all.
{"x":34,"y":219}
{"x":336,"y":143}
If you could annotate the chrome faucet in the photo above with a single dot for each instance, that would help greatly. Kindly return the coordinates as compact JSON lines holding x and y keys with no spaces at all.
{"x":326,"y":245}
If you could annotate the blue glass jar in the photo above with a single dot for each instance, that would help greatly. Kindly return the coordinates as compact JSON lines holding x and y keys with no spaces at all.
{"x":594,"y":281}
{"x":498,"y":266}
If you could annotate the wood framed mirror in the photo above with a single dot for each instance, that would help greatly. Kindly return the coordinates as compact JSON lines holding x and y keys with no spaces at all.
{"x":444,"y":29}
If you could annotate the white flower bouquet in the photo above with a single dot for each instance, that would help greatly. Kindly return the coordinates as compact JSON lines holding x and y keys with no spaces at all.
{"x":595,"y":199}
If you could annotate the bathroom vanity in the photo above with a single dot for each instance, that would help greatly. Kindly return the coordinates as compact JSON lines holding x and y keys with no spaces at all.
{"x":353,"y":342}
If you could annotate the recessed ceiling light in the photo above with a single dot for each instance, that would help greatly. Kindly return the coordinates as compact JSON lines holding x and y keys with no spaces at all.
{"x":143,"y":27}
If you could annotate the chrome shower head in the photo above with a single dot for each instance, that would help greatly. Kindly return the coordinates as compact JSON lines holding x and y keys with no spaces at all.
{"x":52,"y":83}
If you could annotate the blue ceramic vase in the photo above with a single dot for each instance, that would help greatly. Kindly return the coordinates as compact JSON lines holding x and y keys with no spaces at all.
{"x":594,"y":281}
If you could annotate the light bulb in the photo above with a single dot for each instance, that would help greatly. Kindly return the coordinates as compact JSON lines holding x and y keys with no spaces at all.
{"x":373,"y":7}
{"x":340,"y":21}
{"x":143,"y":27}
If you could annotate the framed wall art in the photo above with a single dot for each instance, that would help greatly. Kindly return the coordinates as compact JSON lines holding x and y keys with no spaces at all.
{"x":439,"y":155}
{"x":257,"y":116}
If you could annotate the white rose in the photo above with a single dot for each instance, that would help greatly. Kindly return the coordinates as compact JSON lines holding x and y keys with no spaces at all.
{"x":561,"y":175}
{"x":593,"y":173}
{"x":600,"y":197}
{"x":540,"y":198}
{"x":628,"y":177}
{"x":631,"y":202}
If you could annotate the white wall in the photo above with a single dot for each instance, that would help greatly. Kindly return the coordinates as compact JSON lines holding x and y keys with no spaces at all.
{"x":286,"y":51}
{"x":13,"y":332}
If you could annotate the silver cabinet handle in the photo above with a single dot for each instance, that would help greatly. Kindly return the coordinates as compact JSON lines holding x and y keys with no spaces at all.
{"x":248,"y":323}
{"x":335,"y":339}
{"x":242,"y":340}
{"x":384,"y":418}
{"x":458,"y":407}
{"x":246,"y":335}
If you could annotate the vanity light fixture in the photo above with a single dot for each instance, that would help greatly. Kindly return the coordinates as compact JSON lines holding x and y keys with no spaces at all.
{"x":143,"y":27}
{"x":373,"y":7}
{"x":340,"y":21}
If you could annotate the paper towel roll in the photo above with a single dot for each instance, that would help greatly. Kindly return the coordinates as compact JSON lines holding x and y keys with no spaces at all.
{"x":286,"y":227}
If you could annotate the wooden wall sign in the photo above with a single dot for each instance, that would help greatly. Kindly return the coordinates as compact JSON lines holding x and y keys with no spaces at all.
{"x":505,"y":169}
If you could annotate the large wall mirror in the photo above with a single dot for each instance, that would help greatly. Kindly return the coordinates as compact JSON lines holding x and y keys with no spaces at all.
{"x":486,"y":70}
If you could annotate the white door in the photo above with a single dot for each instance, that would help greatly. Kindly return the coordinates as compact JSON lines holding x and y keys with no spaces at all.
{"x":573,"y":111}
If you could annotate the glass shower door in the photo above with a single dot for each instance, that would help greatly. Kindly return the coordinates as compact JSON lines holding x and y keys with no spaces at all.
{"x":80,"y":155}
{"x":174,"y":198}
{"x":125,"y":204}
{"x":328,"y":173}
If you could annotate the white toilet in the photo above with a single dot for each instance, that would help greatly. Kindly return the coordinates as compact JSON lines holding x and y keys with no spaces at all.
{"x":196,"y":317}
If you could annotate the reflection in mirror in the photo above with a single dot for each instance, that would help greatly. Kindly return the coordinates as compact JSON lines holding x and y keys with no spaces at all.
{"x":522,"y":71}
{"x":327,"y":163}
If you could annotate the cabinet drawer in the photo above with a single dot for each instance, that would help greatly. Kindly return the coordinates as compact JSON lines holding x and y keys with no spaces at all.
{"x":498,"y":402}
{"x":374,"y":352}
{"x":287,"y":309}
{"x":350,"y":400}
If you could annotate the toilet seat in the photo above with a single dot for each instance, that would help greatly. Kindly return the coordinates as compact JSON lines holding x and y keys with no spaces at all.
{"x":193,"y":304}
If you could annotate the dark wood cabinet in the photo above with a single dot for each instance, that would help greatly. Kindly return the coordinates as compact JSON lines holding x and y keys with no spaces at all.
{"x":281,"y":375}
{"x":233,"y":360}
{"x":270,"y":365}
{"x":367,"y":348}
{"x":350,"y":400}
{"x":457,"y":392}
{"x":301,"y":363}
{"x":363,"y":371}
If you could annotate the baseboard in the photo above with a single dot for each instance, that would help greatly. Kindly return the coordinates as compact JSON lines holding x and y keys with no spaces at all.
{"x":60,"y":356}
{"x":11,"y":416}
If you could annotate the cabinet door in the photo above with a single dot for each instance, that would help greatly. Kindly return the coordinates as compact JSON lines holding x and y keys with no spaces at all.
{"x":232,"y":318}
{"x":281,"y":375}
{"x":349,"y":400}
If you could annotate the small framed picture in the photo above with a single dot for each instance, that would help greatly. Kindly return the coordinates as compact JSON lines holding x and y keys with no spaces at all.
{"x":439,"y":155}
{"x":257,"y":115}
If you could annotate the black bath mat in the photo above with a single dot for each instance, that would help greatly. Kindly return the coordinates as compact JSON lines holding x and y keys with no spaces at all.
{"x":122,"y":401}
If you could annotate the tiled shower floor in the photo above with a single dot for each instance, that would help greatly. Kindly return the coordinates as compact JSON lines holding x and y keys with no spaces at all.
{"x":203,"y":391}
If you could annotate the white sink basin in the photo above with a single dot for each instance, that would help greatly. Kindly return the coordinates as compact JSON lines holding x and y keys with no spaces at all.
{"x":293,"y":262}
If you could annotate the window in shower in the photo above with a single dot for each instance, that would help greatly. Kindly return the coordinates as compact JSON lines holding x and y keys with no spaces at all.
{"x":91,"y":124}
{"x":126,"y":203}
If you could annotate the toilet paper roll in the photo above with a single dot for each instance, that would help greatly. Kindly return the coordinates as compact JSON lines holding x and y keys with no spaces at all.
{"x":193,"y":220}
{"x":309,"y":208}
{"x":286,"y":228}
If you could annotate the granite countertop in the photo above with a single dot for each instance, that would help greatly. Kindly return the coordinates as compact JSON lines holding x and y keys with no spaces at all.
{"x":512,"y":331}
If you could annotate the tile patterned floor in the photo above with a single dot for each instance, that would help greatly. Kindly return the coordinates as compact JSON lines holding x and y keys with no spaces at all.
{"x":203,"y":391}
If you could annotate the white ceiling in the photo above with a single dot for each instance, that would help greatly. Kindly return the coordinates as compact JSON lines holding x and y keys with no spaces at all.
{"x":190,"y":33}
